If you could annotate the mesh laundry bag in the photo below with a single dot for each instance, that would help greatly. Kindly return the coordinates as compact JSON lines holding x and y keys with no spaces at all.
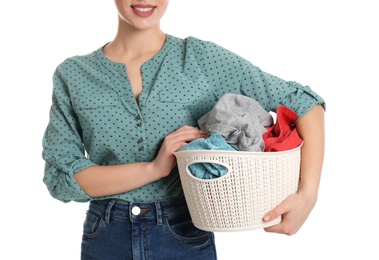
{"x":254,"y":184}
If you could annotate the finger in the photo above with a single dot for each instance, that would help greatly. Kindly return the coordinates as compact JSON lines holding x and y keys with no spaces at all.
{"x":186,"y":135}
{"x":274,"y":213}
{"x":189,"y":128}
{"x":175,"y":142}
{"x":275,"y":229}
{"x":284,"y":227}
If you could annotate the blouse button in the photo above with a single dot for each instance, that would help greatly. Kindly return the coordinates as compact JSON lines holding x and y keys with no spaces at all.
{"x":140,"y":140}
{"x":141,"y":148}
{"x":138,"y":117}
{"x":139,"y":124}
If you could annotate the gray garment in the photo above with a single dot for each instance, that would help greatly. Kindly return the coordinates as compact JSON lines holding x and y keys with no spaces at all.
{"x":240,"y":120}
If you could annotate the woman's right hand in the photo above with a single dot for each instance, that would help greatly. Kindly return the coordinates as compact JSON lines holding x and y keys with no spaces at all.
{"x":165,"y":160}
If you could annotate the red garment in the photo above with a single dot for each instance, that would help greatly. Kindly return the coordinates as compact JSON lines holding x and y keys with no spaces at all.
{"x":283,"y":134}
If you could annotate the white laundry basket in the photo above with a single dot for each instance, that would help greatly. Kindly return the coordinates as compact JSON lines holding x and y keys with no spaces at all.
{"x":255,"y":183}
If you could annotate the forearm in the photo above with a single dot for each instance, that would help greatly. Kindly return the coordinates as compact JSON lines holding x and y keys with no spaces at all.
{"x":97,"y":181}
{"x":311,"y":129}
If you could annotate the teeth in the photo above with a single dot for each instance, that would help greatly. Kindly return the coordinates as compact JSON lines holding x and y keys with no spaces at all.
{"x":144,"y":10}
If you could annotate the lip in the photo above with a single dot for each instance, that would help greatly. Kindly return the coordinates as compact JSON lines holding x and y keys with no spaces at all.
{"x":143,"y":10}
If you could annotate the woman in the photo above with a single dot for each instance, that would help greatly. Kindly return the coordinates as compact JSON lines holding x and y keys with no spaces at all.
{"x":130,"y":105}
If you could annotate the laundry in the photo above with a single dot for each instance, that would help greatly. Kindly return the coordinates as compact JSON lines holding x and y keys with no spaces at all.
{"x":208,"y":170}
{"x":283,"y":134}
{"x":241,"y":121}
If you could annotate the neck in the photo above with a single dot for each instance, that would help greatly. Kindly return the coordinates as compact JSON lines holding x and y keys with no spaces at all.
{"x":131,"y":42}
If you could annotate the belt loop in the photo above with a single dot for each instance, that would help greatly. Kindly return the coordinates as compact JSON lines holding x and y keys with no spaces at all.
{"x":158,"y":213}
{"x":108,"y":211}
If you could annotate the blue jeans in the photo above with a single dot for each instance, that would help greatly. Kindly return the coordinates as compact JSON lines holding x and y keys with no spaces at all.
{"x":158,"y":230}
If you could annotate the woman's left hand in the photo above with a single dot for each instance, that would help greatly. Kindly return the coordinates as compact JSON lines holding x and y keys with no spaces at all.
{"x":294,"y":210}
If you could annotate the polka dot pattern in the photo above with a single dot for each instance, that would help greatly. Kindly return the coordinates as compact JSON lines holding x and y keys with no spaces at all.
{"x":94,"y":110}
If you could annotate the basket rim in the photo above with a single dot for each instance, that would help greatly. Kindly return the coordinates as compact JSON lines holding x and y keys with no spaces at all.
{"x":223,"y":153}
{"x":185,"y":153}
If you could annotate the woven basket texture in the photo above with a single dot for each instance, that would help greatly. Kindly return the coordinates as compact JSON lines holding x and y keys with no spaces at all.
{"x":255,"y":183}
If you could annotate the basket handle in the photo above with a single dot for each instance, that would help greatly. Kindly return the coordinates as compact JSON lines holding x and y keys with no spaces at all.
{"x":202,"y":161}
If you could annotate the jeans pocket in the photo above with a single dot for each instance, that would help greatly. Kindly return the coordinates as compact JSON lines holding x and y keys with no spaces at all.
{"x":182,"y":229}
{"x":92,"y":225}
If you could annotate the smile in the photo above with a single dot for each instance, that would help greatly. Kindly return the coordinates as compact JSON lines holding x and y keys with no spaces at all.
{"x":143,"y":10}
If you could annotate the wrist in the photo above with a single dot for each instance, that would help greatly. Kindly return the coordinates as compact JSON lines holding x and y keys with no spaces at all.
{"x":310,"y":195}
{"x":151,"y":170}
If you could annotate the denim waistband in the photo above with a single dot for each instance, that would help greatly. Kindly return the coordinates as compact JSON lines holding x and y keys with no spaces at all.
{"x":136,"y":211}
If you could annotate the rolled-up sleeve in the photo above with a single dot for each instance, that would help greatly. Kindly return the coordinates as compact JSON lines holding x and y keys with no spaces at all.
{"x":63,"y":149}
{"x":272,"y":92}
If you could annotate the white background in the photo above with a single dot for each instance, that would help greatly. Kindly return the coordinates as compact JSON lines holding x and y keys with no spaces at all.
{"x":330,"y":45}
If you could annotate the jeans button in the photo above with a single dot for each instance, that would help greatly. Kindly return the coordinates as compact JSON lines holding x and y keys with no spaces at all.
{"x":136,"y":210}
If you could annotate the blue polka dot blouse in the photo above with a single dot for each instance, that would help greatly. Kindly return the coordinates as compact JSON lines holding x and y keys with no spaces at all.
{"x":96,"y":120}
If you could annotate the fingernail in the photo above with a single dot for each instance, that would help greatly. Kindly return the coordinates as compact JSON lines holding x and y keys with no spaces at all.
{"x":267,"y":218}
